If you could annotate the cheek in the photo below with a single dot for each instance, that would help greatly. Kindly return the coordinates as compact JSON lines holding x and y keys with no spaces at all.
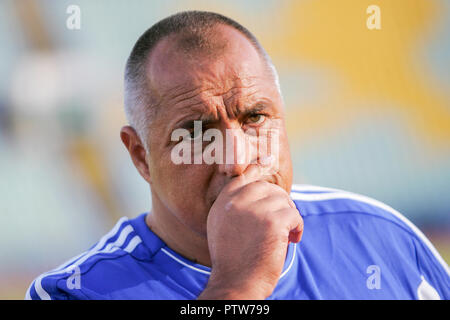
{"x":285,"y":162}
{"x":182,"y":188}
{"x":286,"y":168}
{"x":275,"y":142}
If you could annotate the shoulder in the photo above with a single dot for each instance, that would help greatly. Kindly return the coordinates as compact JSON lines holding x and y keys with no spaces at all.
{"x":81,"y":277}
{"x":318,"y":201}
{"x":370,"y":218}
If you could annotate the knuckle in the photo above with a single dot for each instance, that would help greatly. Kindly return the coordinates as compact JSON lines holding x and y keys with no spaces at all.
{"x":234,"y":205}
{"x":259,"y":184}
{"x":271,"y":223}
{"x":290,"y":213}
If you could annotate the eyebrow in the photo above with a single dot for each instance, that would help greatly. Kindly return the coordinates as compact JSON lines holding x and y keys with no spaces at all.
{"x":257,"y":107}
{"x":209,"y":119}
{"x":189,"y":123}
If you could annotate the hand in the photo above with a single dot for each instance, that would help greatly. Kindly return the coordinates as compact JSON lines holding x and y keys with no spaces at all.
{"x":249,"y":228}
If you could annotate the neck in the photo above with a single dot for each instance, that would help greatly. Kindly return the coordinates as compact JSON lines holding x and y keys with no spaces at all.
{"x":178,"y":236}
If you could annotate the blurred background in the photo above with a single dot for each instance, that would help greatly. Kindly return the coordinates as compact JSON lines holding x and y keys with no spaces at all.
{"x":367,"y":111}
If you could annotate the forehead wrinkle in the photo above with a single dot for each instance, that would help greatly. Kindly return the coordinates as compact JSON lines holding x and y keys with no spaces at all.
{"x":211,"y":83}
{"x":236,"y":101}
{"x":197,"y":104}
{"x":180,"y":95}
{"x":193,"y":94}
{"x":207,"y":96}
{"x":197,"y":111}
{"x":218,"y":107}
{"x":239,"y":92}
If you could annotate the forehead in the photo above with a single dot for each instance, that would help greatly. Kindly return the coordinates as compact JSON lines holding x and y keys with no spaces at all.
{"x":237,"y":63}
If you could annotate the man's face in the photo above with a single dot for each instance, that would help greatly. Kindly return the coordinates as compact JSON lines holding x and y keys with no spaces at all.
{"x":230,"y":91}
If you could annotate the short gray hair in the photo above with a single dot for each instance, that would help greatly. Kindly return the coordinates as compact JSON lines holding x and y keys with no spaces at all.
{"x":193,"y":27}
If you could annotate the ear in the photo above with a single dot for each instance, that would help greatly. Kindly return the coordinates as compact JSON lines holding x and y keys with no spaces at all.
{"x":136,"y":150}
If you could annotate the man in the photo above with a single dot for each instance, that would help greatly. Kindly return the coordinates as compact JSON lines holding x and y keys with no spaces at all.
{"x":234,"y":229}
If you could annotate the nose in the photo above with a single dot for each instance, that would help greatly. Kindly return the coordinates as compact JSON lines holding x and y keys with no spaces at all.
{"x":238,"y":152}
{"x":232,"y":170}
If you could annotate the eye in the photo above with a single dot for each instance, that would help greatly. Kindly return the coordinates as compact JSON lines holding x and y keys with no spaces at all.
{"x":256,"y":119}
{"x":194,"y":135}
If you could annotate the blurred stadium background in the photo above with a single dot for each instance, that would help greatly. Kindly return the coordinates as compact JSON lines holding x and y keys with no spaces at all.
{"x":367,"y":111}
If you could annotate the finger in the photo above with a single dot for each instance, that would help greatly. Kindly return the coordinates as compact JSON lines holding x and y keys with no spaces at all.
{"x":281,"y":194}
{"x":266,"y":166}
{"x":293,"y":222}
{"x":277,"y":190}
{"x":256,"y":171}
{"x":296,"y":234}
{"x":253,"y":172}
{"x":272,"y":202}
